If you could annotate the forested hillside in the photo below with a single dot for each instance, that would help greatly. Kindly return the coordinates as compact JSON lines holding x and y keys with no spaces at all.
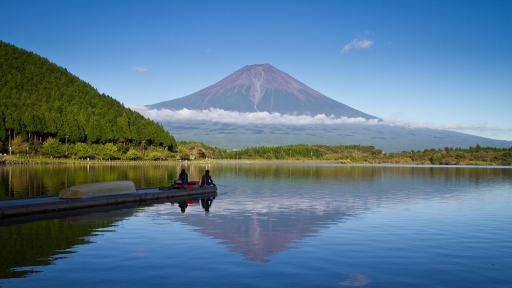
{"x":40,"y":100}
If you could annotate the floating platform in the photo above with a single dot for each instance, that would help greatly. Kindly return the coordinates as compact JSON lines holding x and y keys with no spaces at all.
{"x":96,"y":195}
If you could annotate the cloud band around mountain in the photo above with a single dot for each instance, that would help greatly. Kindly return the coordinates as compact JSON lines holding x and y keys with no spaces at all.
{"x":219,"y":115}
{"x":233,"y":117}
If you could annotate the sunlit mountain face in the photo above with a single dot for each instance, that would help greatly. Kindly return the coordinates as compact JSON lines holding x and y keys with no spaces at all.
{"x":262,"y":88}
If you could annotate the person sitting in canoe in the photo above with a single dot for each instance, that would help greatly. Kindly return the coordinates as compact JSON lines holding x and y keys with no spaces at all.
{"x":183,"y":177}
{"x":206,"y":179}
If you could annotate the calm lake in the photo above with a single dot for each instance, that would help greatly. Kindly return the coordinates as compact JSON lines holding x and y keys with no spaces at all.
{"x":310,"y":225}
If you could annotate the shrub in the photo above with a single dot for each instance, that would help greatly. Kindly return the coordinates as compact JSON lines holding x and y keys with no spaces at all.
{"x":53,"y":148}
{"x":81,"y":150}
{"x":155,"y":156}
{"x":110,"y":151}
{"x":132,"y":155}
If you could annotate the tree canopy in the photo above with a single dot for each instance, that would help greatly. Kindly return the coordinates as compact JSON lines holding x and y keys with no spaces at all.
{"x":40,"y":100}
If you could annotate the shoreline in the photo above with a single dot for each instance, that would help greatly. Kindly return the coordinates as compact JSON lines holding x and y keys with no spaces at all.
{"x":9,"y":160}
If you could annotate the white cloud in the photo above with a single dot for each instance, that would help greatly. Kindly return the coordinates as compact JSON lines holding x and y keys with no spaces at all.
{"x":483,"y":130}
{"x":219,"y":115}
{"x":139,"y":69}
{"x":357,"y":44}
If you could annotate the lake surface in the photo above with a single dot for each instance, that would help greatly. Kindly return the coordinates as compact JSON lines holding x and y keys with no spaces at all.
{"x":270,"y":225}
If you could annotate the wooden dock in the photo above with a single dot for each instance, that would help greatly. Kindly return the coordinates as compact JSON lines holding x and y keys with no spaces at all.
{"x":48,"y":204}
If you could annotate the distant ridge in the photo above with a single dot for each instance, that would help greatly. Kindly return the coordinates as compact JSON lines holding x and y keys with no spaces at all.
{"x":385,"y":137}
{"x":262,"y":88}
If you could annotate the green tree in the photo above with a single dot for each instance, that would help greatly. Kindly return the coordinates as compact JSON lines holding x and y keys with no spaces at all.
{"x":185,"y":155}
{"x":132,"y":155}
{"x":53,"y":148}
{"x":17,"y":145}
{"x":110,"y":151}
{"x":123,"y":126}
{"x":155,"y":156}
{"x":122,"y":148}
{"x":82,"y":150}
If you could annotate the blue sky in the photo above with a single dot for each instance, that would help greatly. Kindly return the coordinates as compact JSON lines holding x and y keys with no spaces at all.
{"x":439,"y":64}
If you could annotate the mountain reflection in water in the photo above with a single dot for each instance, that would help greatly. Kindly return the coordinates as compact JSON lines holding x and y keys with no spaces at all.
{"x":260,"y":212}
{"x":261,"y":227}
{"x":270,"y":208}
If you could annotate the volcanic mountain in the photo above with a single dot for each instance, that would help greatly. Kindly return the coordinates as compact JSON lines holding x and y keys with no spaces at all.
{"x":262,"y":88}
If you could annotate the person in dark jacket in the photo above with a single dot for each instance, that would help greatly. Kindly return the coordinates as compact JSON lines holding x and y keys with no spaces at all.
{"x":183,"y":177}
{"x":206,"y":179}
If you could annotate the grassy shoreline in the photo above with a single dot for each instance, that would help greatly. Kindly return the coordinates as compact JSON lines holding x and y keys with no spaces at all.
{"x":16,"y":160}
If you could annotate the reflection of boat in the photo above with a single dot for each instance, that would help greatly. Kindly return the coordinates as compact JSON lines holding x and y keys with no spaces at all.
{"x":98,"y":194}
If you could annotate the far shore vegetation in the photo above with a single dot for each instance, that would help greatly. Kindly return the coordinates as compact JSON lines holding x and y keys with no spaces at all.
{"x":52,"y":150}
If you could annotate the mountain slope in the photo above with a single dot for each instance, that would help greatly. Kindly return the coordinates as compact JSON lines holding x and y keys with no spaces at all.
{"x":262,"y":88}
{"x":385,"y":137}
{"x":39,"y":99}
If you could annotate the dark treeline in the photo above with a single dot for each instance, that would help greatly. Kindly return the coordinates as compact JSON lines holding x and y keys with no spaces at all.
{"x":40,"y":100}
